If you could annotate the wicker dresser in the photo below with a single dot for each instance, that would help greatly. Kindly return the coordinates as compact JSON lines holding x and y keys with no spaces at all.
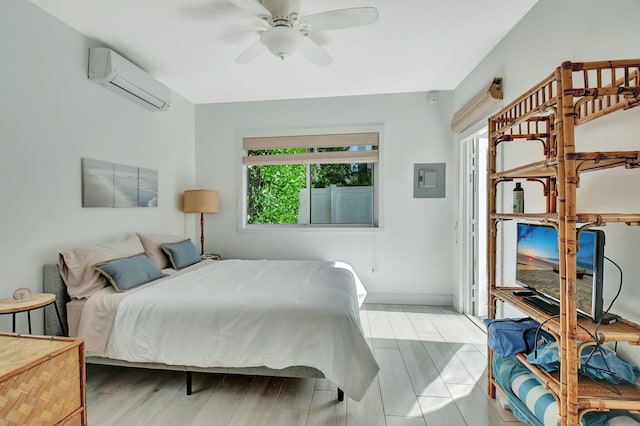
{"x":42,"y":381}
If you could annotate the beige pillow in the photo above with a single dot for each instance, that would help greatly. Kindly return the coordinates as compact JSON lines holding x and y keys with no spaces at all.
{"x":152,"y":243}
{"x":76,"y":265}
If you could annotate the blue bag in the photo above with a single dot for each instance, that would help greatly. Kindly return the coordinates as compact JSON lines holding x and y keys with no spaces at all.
{"x":510,"y":336}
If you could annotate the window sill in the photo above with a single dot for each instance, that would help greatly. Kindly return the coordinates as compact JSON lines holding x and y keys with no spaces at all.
{"x":311,"y":228}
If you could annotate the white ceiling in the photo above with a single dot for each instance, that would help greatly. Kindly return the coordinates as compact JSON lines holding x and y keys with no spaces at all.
{"x":417,"y":45}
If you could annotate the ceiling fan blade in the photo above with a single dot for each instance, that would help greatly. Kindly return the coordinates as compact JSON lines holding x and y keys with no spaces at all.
{"x":230,"y":16}
{"x":254,"y":7}
{"x":238,"y":34}
{"x":213,"y":6}
{"x":342,"y":18}
{"x":313,"y":52}
{"x":318,"y":37}
{"x":251,"y":53}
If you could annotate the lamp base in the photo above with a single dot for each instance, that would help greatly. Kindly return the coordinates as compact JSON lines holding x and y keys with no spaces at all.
{"x":210,"y":256}
{"x":201,"y":234}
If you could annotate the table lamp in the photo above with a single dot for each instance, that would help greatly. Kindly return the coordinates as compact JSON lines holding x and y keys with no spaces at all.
{"x":200,"y":201}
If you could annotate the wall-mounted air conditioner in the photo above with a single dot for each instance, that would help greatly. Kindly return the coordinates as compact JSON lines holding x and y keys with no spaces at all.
{"x":117,"y":74}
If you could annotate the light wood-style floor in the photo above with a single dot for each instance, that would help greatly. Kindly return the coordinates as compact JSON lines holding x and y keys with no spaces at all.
{"x":432,"y":372}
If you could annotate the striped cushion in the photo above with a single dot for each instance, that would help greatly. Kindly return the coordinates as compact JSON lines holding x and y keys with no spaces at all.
{"x":529,"y":401}
{"x":623,"y":421}
{"x":537,"y":399}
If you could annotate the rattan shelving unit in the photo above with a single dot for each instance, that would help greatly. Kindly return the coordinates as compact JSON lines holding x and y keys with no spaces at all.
{"x":574,"y":94}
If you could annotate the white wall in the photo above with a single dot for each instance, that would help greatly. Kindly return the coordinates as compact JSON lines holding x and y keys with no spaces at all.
{"x":410,"y":256}
{"x":50,"y":117}
{"x":577,"y":30}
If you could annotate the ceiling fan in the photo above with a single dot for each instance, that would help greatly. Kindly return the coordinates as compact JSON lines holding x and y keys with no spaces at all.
{"x":283,"y":30}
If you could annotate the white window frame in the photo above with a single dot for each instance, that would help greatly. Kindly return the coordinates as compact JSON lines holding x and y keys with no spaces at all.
{"x":377,"y":179}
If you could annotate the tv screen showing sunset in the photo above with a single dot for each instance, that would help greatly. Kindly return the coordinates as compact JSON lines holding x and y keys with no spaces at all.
{"x":537,"y":263}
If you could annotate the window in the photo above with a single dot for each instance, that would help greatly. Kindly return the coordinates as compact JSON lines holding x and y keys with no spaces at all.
{"x":311,"y":179}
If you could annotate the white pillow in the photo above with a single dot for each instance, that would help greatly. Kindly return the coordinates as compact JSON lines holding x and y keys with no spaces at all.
{"x":152,"y":243}
{"x":76,"y":265}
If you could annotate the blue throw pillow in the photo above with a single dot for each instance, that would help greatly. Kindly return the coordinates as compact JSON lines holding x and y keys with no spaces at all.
{"x":129,"y":272}
{"x":595,"y":362}
{"x":181,"y":254}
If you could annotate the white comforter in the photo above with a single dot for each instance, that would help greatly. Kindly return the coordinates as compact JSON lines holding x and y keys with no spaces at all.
{"x":240,"y":313}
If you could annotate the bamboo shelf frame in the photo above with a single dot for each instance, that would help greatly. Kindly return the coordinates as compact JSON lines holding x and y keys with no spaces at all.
{"x":597,"y":219}
{"x":594,"y":394}
{"x":541,"y":99}
{"x":574,"y":94}
{"x":541,"y":217}
{"x":621,"y":331}
{"x":587,"y":162}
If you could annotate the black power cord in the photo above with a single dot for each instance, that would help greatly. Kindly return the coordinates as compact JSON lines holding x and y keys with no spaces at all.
{"x":607,"y":370}
{"x":595,"y":338}
{"x":614,"y":298}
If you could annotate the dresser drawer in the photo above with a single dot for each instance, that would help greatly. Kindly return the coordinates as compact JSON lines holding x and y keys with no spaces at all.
{"x":41,"y":380}
{"x":74,"y":420}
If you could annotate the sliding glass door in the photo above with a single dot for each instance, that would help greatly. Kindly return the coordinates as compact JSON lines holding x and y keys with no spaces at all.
{"x":473,"y":223}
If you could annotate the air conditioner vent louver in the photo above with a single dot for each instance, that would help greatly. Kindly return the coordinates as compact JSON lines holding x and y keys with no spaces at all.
{"x":136,"y":91}
{"x":112,"y":71}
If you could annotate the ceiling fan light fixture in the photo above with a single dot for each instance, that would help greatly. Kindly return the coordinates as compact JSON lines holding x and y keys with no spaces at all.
{"x":281,"y":41}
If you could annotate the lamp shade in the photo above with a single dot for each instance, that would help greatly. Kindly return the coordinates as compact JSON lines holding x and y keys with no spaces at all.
{"x":200,"y":201}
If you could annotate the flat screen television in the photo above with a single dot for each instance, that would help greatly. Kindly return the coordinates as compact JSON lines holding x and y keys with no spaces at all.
{"x":537,"y":266}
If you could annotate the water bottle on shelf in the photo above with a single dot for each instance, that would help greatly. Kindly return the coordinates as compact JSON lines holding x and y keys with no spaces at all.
{"x":518,"y":198}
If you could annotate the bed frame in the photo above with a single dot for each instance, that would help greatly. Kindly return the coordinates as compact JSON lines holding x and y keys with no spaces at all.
{"x":52,"y":283}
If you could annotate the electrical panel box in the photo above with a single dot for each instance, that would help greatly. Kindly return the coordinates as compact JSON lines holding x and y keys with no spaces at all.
{"x":429,"y":180}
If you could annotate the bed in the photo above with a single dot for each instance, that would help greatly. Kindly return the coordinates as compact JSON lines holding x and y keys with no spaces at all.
{"x":276,"y":318}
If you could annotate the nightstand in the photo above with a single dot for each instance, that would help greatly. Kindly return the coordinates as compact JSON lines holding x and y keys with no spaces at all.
{"x":35,"y":301}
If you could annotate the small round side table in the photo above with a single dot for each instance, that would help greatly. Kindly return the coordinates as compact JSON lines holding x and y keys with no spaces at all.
{"x":35,"y":301}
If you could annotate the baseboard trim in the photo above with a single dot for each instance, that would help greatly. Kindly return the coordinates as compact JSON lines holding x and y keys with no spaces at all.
{"x":410,"y":299}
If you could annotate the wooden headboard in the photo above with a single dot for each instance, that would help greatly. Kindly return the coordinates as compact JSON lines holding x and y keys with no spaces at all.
{"x":52,"y":283}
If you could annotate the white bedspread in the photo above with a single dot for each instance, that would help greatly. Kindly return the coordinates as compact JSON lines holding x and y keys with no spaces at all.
{"x":240,"y":313}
